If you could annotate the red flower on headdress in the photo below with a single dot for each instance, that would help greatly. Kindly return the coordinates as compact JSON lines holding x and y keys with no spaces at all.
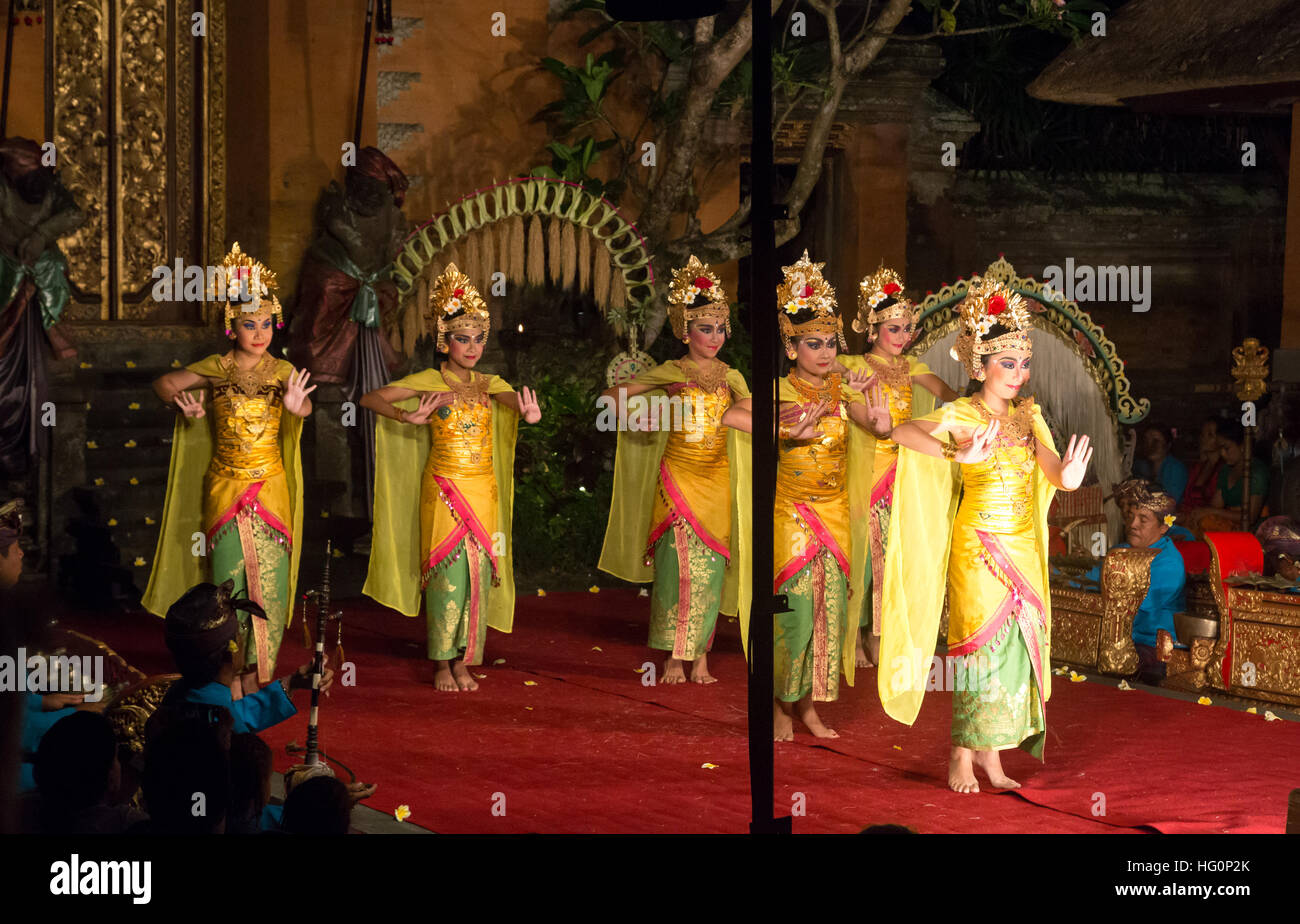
{"x":807,"y":291}
{"x":703,"y":282}
{"x":997,"y":304}
{"x":459,"y":292}
{"x":890,"y":288}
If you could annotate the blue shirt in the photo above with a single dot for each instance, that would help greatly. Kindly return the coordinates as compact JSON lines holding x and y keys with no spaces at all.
{"x":1172,"y":476}
{"x":251,"y":713}
{"x":1165,"y":595}
{"x":36,"y":722}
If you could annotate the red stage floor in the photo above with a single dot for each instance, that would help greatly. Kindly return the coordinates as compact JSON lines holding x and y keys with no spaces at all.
{"x":563,"y":737}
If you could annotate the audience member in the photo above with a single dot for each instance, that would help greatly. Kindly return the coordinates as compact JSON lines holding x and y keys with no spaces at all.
{"x":77,"y":773}
{"x":320,"y":805}
{"x":1157,"y":465}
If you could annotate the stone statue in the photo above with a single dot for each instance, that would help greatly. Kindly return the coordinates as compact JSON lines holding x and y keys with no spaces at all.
{"x":35,"y":211}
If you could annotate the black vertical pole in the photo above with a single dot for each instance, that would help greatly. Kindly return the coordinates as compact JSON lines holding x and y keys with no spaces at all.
{"x":9,"y":60}
{"x":763,"y":323}
{"x":365,"y":62}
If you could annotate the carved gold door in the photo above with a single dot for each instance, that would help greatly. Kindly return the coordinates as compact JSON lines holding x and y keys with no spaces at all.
{"x":136,"y":109}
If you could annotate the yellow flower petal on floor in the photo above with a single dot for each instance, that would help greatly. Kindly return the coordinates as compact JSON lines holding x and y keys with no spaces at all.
{"x":481,"y":676}
{"x":1270,"y":717}
{"x":897,"y":747}
{"x":325,"y":514}
{"x":99,"y":482}
{"x":643,"y":592}
{"x":639,"y":670}
{"x":1253,"y":711}
{"x":540,"y":592}
{"x":130,"y":364}
{"x":112,"y":521}
{"x":1205,"y":701}
{"x":338,"y":553}
{"x":91,"y":444}
{"x":133,"y":406}
{"x":134,"y":480}
{"x":176,"y":363}
{"x":1123,"y":685}
{"x":150,"y":521}
{"x":593,"y":589}
{"x":529,"y":708}
{"x":530,"y":683}
{"x":129,"y":444}
{"x":139,"y":562}
{"x":708,"y":766}
{"x":402,"y":812}
{"x":1077,"y":678}
{"x":596,"y":648}
{"x":84,"y":365}
{"x":87,"y":405}
{"x":499,"y":661}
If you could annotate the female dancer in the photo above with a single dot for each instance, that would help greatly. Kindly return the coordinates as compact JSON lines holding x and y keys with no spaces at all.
{"x":812,"y":536}
{"x":680,"y":512}
{"x":239,"y":482}
{"x":461,"y":466}
{"x":994,"y":547}
{"x":888,"y":319}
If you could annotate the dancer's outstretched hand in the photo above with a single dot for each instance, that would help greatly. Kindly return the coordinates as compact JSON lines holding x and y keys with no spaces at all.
{"x":296,"y":392}
{"x":860,"y":380}
{"x":528,"y":407}
{"x":191,"y":405}
{"x":1075,"y":463}
{"x":430,"y":401}
{"x":980,"y":446}
{"x":878,"y":411}
{"x":805,"y":427}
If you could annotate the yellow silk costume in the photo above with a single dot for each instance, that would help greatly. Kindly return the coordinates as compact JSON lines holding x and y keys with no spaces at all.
{"x":990,"y":557}
{"x":670,"y":476}
{"x":812,"y":533}
{"x":460,"y":466}
{"x":872,"y":499}
{"x":236,"y":474}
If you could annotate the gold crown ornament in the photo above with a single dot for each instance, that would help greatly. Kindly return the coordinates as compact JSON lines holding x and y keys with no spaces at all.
{"x":804,"y":289}
{"x":693,"y":282}
{"x":249,"y":289}
{"x":454,"y":304}
{"x":881,"y":299}
{"x":989,"y":302}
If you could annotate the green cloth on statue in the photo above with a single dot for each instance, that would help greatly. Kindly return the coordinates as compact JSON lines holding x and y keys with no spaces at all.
{"x":49,"y":273}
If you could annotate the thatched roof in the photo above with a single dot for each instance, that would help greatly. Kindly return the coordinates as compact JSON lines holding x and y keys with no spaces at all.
{"x":1230,"y":55}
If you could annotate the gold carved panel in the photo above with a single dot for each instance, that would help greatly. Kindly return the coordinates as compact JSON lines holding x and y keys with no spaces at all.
{"x":138,"y":116}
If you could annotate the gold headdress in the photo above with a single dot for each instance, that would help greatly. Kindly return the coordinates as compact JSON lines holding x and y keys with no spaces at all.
{"x":990,"y":302}
{"x":692,"y":282}
{"x":249,"y":289}
{"x":454,"y":304}
{"x":881,"y":299}
{"x":802,"y":290}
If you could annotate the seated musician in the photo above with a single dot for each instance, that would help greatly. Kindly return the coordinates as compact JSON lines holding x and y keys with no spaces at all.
{"x":1126,"y":494}
{"x":201,"y":628}
{"x":1281,"y":541}
{"x":1224,"y":512}
{"x":1148,"y":521}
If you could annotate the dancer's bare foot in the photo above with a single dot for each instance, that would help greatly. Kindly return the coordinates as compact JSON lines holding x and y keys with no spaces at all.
{"x":961,"y":772}
{"x":808,"y":716}
{"x":861,"y":659}
{"x":463,"y":678}
{"x":443,"y":679}
{"x":991,"y":763}
{"x":873,"y":647}
{"x":673,"y":672}
{"x":700,"y":670}
{"x":782,"y":724}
